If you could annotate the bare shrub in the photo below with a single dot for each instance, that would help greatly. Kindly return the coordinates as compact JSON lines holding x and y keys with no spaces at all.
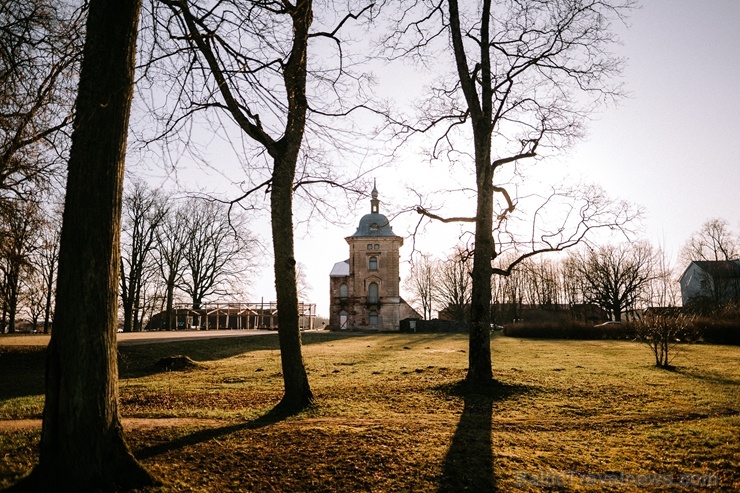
{"x":662,"y":331}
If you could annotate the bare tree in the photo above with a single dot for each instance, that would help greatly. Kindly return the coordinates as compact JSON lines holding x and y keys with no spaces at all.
{"x":82,"y":443}
{"x":144,"y":210}
{"x":614,"y":277}
{"x":526,"y":74}
{"x":714,"y":241}
{"x":421,"y":283}
{"x":40,"y":45}
{"x":20,"y":228}
{"x":47,"y":262}
{"x":453,"y":286}
{"x":170,"y":254}
{"x":251,"y":63}
{"x":218,"y":250}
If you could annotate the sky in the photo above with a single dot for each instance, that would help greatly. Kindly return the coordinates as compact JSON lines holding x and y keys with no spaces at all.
{"x":670,"y":147}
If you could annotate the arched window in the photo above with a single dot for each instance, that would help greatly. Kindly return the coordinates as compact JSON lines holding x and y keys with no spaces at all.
{"x":343,"y":318}
{"x":343,"y":291}
{"x":373,"y":318}
{"x":373,"y":265}
{"x":372,"y":293}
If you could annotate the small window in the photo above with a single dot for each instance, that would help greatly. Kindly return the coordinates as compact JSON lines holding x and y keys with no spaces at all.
{"x":373,"y":264}
{"x":343,"y":291}
{"x":343,"y":318}
{"x":369,"y":246}
{"x":372,"y":293}
{"x":373,"y":318}
{"x":376,"y":246}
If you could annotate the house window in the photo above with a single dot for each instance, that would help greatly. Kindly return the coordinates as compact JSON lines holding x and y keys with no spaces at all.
{"x":376,"y":247}
{"x":373,"y":265}
{"x":369,"y":246}
{"x":343,"y":291}
{"x":372,"y":293}
{"x":343,"y":318}
{"x":373,"y":318}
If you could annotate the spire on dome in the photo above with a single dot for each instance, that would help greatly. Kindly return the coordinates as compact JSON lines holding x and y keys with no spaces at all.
{"x":374,"y":202}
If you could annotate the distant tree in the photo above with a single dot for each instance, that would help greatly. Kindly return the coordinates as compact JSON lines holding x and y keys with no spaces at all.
{"x":218,"y":250}
{"x":82,"y":444}
{"x":421,"y":283}
{"x":46,"y":261}
{"x":614,"y":277}
{"x":143,"y":212}
{"x":171,"y":241}
{"x":714,"y":241}
{"x":453,"y":283}
{"x":302,"y":284}
{"x":20,"y":230}
{"x":541,"y":282}
{"x":524,"y":76}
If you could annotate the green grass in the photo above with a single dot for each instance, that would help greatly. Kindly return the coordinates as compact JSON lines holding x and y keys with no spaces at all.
{"x":391,"y":415}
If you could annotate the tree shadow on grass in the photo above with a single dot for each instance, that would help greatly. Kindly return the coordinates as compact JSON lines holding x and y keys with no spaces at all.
{"x":706,"y":376}
{"x":275,"y":415}
{"x":468,"y":465}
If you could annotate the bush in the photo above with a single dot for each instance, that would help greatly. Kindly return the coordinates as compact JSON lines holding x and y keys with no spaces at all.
{"x":574,"y":330}
{"x":718,"y":330}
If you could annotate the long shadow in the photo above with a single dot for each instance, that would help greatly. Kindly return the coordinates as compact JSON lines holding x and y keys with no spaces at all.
{"x":706,"y":376}
{"x":135,"y":361}
{"x":275,"y":415}
{"x":468,"y":465}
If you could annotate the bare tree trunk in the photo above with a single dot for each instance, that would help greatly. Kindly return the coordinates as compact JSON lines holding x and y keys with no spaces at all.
{"x":82,"y":443}
{"x":298,"y":393}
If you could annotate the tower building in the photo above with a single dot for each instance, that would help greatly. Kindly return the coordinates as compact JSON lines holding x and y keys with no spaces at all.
{"x":364,"y":289}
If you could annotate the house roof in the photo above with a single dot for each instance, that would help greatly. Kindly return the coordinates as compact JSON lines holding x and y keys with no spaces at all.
{"x":720,"y":269}
{"x":340,"y":269}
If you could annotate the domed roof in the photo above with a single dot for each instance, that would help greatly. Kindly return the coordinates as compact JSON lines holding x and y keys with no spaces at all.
{"x":374,"y":224}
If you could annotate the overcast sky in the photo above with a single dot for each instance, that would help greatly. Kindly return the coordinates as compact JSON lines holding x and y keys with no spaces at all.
{"x":670,"y":147}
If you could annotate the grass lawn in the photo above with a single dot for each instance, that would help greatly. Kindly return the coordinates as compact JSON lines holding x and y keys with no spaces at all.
{"x":391,"y":415}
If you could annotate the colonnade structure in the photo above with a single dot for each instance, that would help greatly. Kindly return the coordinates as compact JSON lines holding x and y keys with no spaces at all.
{"x":219,"y":316}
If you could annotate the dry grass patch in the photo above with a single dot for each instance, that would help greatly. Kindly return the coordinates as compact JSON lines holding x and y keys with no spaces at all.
{"x":392,"y":415}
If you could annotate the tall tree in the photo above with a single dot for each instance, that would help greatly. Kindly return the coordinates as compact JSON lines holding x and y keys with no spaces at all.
{"x":144,"y":210}
{"x":82,"y":443}
{"x":254,"y":63}
{"x":522,"y":73}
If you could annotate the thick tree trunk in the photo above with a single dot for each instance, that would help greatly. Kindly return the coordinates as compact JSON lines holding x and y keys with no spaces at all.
{"x":298,"y":393}
{"x":82,"y":444}
{"x":479,"y":351}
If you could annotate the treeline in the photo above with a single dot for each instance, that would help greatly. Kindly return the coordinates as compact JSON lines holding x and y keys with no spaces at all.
{"x":172,"y":250}
{"x":620,"y":278}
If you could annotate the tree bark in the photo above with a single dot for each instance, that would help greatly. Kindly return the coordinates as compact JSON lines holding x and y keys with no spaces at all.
{"x":82,"y":443}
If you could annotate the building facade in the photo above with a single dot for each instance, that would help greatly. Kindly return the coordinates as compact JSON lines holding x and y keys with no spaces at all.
{"x":364,"y":289}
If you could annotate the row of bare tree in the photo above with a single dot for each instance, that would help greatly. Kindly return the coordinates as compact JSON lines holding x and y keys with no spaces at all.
{"x":194,"y":247}
{"x":172,"y":250}
{"x":616,"y":277}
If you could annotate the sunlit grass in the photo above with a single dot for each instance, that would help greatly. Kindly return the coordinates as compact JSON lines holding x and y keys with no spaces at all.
{"x":564,"y":415}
